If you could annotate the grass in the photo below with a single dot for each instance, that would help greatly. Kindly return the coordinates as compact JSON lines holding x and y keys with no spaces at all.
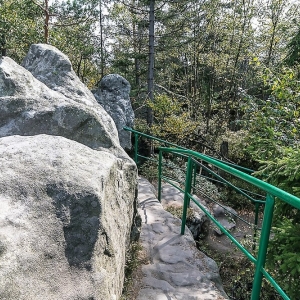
{"x":177,"y":211}
{"x":135,"y":258}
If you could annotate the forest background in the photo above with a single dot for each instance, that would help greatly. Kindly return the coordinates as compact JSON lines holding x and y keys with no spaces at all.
{"x":218,"y":76}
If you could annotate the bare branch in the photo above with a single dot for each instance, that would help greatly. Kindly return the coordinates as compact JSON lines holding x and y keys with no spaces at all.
{"x":40,"y":6}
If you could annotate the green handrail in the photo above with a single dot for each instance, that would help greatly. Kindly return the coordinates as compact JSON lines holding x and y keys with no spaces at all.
{"x":290,"y":199}
{"x":242,"y":192}
{"x":241,"y":173}
{"x":271,"y":191}
{"x":153,"y":138}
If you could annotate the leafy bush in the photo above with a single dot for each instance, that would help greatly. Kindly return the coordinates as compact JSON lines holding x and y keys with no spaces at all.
{"x":284,"y":172}
{"x":274,"y":136}
{"x":171,"y":121}
{"x":274,"y":123}
{"x":149,"y":170}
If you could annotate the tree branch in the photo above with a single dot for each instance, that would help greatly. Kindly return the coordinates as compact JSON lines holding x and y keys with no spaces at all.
{"x":40,"y":6}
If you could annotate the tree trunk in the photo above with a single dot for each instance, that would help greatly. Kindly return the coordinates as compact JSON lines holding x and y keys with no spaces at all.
{"x":151,"y":61}
{"x":46,"y":25}
{"x":3,"y":45}
{"x":137,"y":50}
{"x":101,"y":40}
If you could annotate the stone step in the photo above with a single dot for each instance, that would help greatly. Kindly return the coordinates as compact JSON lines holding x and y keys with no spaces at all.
{"x":176,"y":268}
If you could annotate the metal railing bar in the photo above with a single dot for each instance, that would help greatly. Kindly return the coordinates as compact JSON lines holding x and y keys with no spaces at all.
{"x":174,"y":179}
{"x":174,"y":185}
{"x":225,"y":181}
{"x":216,"y":202}
{"x":211,"y":199}
{"x":152,"y":137}
{"x":263,"y":246}
{"x":283,"y":195}
{"x":167,"y":179}
{"x":180,"y":147}
{"x":237,"y":171}
{"x":275,"y":284}
{"x":247,"y":170}
{"x":242,"y":189}
{"x":247,"y":253}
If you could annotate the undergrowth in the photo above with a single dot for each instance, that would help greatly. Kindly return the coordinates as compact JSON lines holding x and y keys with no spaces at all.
{"x":177,"y":211}
{"x":135,"y":258}
{"x":237,"y":273}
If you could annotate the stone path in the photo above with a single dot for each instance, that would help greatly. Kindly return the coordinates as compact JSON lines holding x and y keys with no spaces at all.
{"x":176,"y":269}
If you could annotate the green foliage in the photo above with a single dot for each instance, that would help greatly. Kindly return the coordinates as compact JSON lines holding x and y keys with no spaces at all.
{"x":74,"y":32}
{"x":284,"y":171}
{"x":237,"y":145}
{"x":172,"y":121}
{"x":149,"y":170}
{"x":284,"y":246}
{"x":274,"y":138}
{"x":275,"y":123}
{"x":21,"y":25}
{"x":141,"y":125}
{"x":282,"y":256}
{"x":275,"y":143}
{"x":293,"y":56}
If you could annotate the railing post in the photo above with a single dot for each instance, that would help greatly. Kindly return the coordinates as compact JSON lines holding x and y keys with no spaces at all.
{"x":187,"y":190}
{"x":255,"y":225}
{"x":136,"y":145}
{"x":263,"y":246}
{"x":194,"y":178}
{"x":159,"y":175}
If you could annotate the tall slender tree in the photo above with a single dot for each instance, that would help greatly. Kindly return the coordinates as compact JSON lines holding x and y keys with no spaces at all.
{"x":151,"y":60}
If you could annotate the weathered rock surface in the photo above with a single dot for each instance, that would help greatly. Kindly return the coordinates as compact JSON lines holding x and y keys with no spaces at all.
{"x":61,"y":105}
{"x":65,"y":217}
{"x":197,"y":221}
{"x":113,"y":94}
{"x":176,"y":269}
{"x":66,"y":210}
{"x":226,"y":216}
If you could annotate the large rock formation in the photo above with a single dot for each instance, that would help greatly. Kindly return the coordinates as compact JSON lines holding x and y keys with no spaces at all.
{"x":113,"y":94}
{"x":65,"y":219}
{"x":30,"y":107}
{"x":67,"y":188}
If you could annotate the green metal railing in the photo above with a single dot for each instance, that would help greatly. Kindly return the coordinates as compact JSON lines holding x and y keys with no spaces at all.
{"x":138,"y":134}
{"x":271,"y":191}
{"x":192,"y":158}
{"x":221,"y":180}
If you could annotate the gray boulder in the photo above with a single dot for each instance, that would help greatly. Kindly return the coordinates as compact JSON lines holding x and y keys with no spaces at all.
{"x":226,"y":216}
{"x":113,"y":94}
{"x":65,"y":219}
{"x":53,"y":68}
{"x":29,"y":107}
{"x":66,"y":209}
